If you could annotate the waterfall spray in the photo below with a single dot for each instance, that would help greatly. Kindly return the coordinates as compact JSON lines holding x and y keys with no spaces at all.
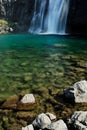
{"x":49,"y":17}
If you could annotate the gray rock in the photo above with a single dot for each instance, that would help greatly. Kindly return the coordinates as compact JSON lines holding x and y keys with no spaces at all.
{"x":80,"y":126}
{"x":77,"y":92}
{"x":29,"y":127}
{"x":79,"y":120}
{"x":51,"y":116}
{"x":42,"y":121}
{"x":28,"y":98}
{"x":58,"y":125}
{"x":11,"y":29}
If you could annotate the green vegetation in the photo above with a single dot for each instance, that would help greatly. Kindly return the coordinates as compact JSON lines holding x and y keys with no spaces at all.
{"x":3,"y":22}
{"x":6,"y":23}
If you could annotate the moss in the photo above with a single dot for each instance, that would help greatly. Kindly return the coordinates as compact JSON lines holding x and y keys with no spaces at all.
{"x":3,"y":22}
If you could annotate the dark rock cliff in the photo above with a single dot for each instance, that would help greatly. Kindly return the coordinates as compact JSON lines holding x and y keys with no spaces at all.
{"x":20,"y":13}
{"x":77,"y":18}
{"x":17,"y":11}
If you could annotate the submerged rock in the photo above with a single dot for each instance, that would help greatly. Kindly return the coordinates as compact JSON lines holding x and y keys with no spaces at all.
{"x":11,"y":102}
{"x":77,"y":92}
{"x":42,"y":121}
{"x":28,"y":98}
{"x":58,"y":125}
{"x":27,"y":102}
{"x":58,"y":45}
{"x":79,"y":120}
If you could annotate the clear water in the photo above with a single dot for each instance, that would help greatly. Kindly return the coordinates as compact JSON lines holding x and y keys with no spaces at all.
{"x":49,"y":17}
{"x":28,"y":62}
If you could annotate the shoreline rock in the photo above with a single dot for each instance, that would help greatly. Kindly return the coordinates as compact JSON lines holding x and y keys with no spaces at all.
{"x":78,"y":92}
{"x":79,"y":120}
{"x":21,"y":107}
{"x":51,"y":116}
{"x":29,"y":127}
{"x":41,"y":121}
{"x":58,"y":125}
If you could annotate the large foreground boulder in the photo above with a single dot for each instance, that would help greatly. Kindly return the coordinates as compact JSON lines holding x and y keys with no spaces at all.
{"x":58,"y":125}
{"x":77,"y":92}
{"x":79,"y":120}
{"x":51,"y":116}
{"x":42,"y":121}
{"x":29,"y":127}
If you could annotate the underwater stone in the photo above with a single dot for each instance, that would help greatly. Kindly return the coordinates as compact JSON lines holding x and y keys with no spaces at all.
{"x":77,"y":92}
{"x":11,"y":102}
{"x":27,"y":103}
{"x":28,"y":98}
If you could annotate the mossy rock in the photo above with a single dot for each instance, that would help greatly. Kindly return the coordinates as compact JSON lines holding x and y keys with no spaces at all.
{"x":26,"y":106}
{"x":3,"y":22}
{"x":11,"y":102}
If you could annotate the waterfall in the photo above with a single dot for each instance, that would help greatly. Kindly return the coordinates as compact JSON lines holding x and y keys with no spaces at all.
{"x":49,"y":16}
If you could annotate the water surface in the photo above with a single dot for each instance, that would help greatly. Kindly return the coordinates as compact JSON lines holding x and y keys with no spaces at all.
{"x":28,"y":62}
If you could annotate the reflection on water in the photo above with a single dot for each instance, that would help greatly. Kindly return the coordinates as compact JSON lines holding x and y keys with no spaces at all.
{"x":28,"y":62}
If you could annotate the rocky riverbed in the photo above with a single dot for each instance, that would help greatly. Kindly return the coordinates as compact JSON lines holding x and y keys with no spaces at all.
{"x":18,"y":111}
{"x":44,"y":71}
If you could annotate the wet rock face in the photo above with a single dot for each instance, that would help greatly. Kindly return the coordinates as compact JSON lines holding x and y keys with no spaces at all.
{"x":77,"y":19}
{"x":77,"y":92}
{"x":6,"y":8}
{"x":19,"y":11}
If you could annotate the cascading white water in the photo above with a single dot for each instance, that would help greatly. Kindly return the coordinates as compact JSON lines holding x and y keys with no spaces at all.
{"x":49,"y":16}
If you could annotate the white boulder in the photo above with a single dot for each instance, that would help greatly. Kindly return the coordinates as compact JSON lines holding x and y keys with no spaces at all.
{"x":58,"y":125}
{"x":77,"y":92}
{"x":28,"y":98}
{"x":29,"y":127}
{"x":79,"y":120}
{"x":51,"y":116}
{"x":80,"y":126}
{"x":42,"y":121}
